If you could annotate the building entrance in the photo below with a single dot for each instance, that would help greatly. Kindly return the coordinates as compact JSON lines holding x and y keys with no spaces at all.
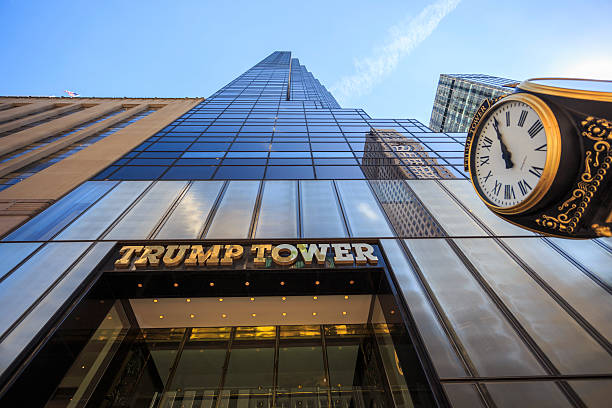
{"x":286,"y":338}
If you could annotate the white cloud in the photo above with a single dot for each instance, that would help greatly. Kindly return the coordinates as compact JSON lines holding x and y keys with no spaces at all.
{"x":404,"y":37}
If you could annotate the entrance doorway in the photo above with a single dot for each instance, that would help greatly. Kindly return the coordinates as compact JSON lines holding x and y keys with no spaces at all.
{"x":227,"y":339}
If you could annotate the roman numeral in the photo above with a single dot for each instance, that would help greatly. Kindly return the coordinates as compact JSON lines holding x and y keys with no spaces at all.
{"x":484,"y":160}
{"x":487,"y":176}
{"x":542,"y":148}
{"x":524,"y":187}
{"x":535,"y":128}
{"x":497,"y":187}
{"x":536,"y":171}
{"x":486,"y":143}
{"x":521,"y":121}
{"x":508,"y":119}
{"x":508,"y":192}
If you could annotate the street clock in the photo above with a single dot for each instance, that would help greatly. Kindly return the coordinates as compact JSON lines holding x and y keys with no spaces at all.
{"x":540,"y":157}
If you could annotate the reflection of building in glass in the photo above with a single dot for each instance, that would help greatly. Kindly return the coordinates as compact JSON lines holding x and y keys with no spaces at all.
{"x":458,"y":97}
{"x":391,"y":155}
{"x":406,"y":213}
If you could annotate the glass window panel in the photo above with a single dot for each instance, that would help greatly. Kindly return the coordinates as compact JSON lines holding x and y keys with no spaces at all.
{"x":209,"y":146}
{"x":233,"y":217}
{"x":549,"y":325}
{"x":189,"y":173}
{"x":20,"y":289}
{"x":245,"y":161}
{"x":246,"y":154}
{"x":589,"y":254}
{"x":288,"y":147}
{"x":53,"y":219}
{"x":594,"y":393}
{"x":339,"y":172}
{"x":437,"y":343}
{"x":251,"y":363}
{"x":138,"y":173}
{"x":146,"y":162}
{"x":289,"y":172}
{"x":363,"y":214}
{"x":13,"y":253}
{"x":42,"y":313}
{"x":463,"y":395}
{"x":278,"y":212}
{"x":464,"y":191}
{"x":240,"y":172}
{"x":189,"y":216}
{"x":199,"y":155}
{"x":197,"y":162}
{"x":169,"y":147}
{"x":472,"y":314}
{"x":321,"y":215}
{"x":300,"y":362}
{"x":527,"y":394}
{"x":290,"y":154}
{"x":447,"y":212}
{"x":289,"y":161}
{"x":201,"y":363}
{"x":99,"y":217}
{"x":587,"y":297}
{"x":146,"y":214}
{"x":239,"y":146}
{"x":330,"y":146}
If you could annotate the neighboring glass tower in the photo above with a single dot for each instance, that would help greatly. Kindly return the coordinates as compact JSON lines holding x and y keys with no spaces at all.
{"x":458,"y":97}
{"x":177,"y":277}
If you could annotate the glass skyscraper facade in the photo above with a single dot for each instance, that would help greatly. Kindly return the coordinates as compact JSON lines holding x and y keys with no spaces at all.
{"x":179,"y":275}
{"x":458,"y":96}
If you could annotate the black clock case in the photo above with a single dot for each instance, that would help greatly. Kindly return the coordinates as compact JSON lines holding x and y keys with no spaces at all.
{"x":570,"y":113}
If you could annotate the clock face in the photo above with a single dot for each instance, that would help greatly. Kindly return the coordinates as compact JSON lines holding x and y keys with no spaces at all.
{"x":509,"y":156}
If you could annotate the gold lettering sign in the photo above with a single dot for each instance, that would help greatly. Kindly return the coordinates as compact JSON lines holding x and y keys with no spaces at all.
{"x":153,"y":256}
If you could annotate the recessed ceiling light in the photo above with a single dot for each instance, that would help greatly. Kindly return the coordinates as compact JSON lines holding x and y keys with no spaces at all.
{"x":220,"y":299}
{"x":247,"y":283}
{"x":140,"y":285}
{"x":154,"y":300}
{"x":283,"y":298}
{"x":175,"y":285}
{"x":351,"y":282}
{"x":282,"y":283}
{"x":192,"y":315}
{"x":315,"y":297}
{"x":317,"y":282}
{"x":314,"y":313}
{"x":344,"y":313}
{"x":161,"y":316}
{"x":284,"y":313}
{"x":187,"y":300}
{"x":346,"y":297}
{"x":252,"y":299}
{"x":212,"y":284}
{"x":223,"y":315}
{"x":253,"y":314}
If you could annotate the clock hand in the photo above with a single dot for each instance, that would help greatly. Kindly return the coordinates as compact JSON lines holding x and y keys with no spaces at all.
{"x":505,"y":152}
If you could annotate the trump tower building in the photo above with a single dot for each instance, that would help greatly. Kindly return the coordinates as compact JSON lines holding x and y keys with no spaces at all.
{"x":265,"y":247}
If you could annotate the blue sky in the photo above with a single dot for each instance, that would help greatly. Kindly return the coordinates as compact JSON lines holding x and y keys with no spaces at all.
{"x":384,"y":57}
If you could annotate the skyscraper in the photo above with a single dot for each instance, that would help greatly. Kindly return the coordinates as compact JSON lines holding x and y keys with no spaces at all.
{"x":458,"y":97}
{"x":268,"y":248}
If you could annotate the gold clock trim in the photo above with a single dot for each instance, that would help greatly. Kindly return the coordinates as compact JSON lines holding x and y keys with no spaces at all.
{"x":528,"y":85}
{"x":553,"y":154}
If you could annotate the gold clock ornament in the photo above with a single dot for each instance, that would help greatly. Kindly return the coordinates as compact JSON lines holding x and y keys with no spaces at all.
{"x":540,"y":157}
